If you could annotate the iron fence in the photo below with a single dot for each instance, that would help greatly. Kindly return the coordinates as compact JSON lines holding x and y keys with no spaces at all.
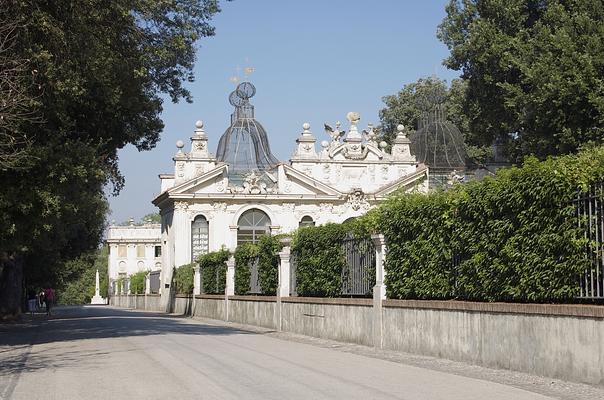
{"x":219,"y":282}
{"x":254,"y":278}
{"x":358,"y":276}
{"x":590,"y":219}
{"x":154,"y":281}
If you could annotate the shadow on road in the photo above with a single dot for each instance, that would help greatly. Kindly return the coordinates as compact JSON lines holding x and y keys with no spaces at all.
{"x":88,"y":322}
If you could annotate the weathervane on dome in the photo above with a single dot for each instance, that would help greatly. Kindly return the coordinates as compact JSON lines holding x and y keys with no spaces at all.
{"x":247,"y":71}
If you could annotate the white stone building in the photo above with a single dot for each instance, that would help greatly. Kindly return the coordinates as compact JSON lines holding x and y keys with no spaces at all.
{"x":132,"y":249}
{"x":243,"y":192}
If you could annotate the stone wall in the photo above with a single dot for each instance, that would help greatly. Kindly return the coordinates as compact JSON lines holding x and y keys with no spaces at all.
{"x":559,"y":341}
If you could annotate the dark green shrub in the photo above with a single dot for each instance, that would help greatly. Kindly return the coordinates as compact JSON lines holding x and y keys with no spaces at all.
{"x":268,"y":263}
{"x":183,"y":279}
{"x":514,"y":237}
{"x":418,"y":232}
{"x":137,"y":282}
{"x":213,"y":271}
{"x":320,"y":260}
{"x":244,"y":255}
{"x":266,"y":250}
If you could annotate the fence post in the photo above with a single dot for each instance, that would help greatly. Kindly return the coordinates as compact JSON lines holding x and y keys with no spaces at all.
{"x":283,"y":279}
{"x":148,"y":283}
{"x":284,"y":268}
{"x":197,"y":280}
{"x":379,"y":290}
{"x":229,"y":289}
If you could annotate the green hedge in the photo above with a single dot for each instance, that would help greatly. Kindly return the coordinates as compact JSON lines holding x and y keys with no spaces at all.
{"x":514,"y":235}
{"x":320,"y":259}
{"x":183,"y":279}
{"x":137,"y":282}
{"x":213,"y":266}
{"x":266,"y":249}
{"x":244,"y":255}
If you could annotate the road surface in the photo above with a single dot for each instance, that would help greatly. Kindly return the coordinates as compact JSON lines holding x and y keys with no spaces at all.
{"x":106,"y":353}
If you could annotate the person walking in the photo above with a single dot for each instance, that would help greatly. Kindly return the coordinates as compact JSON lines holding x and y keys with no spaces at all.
{"x":49,"y":297}
{"x":32,"y":301}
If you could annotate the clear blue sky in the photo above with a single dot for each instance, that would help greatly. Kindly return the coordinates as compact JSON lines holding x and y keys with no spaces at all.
{"x":315,"y":60}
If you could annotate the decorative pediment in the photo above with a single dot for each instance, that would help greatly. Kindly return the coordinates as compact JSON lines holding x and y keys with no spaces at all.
{"x":193,"y":185}
{"x":313,"y":184}
{"x":406,"y":181}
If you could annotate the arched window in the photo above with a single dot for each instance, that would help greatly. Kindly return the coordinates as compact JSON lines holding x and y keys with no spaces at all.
{"x":199,"y":237}
{"x":306,"y":221}
{"x":251,"y":225}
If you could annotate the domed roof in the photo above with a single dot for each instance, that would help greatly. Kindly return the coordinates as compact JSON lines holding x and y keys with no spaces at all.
{"x":244,"y":145}
{"x":438,"y":143}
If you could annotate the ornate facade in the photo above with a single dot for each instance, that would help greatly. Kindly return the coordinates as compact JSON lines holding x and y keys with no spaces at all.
{"x":244,"y":192}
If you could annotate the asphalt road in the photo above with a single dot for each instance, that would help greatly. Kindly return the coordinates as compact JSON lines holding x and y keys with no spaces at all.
{"x":105,"y":353}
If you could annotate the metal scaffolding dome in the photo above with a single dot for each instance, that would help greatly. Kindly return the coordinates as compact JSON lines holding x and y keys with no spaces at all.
{"x":244,"y":145}
{"x":437,"y":142}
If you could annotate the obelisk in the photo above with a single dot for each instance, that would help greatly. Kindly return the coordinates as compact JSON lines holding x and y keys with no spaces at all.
{"x":97,"y":299}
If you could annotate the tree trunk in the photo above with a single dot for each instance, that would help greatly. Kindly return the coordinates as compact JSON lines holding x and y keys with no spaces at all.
{"x":11,"y":282}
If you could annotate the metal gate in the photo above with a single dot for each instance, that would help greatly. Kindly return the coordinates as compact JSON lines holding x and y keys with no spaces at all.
{"x":358,"y":277}
{"x":590,"y":219}
{"x":154,"y":281}
{"x":254,"y":278}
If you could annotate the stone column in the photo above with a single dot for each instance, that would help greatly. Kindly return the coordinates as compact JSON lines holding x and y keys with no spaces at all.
{"x":379,"y":290}
{"x":284,"y":268}
{"x":197,"y":280}
{"x":148,"y":283}
{"x":230,"y":276}
{"x":229,"y":289}
{"x":283,"y":279}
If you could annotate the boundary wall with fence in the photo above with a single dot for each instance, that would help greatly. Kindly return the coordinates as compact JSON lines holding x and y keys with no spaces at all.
{"x":555,"y":340}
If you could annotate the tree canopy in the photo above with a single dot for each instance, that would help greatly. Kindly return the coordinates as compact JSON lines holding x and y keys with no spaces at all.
{"x":100,"y":70}
{"x":534,"y":71}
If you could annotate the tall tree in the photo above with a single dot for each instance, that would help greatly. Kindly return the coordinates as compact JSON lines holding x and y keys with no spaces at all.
{"x":101,"y":68}
{"x":534,"y":70}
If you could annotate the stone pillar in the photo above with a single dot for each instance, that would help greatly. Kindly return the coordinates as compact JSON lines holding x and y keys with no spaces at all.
{"x":230,"y":276}
{"x":128,"y":285}
{"x":283,"y":279}
{"x":284,"y":268}
{"x":197,"y":280}
{"x":229,"y":289}
{"x":148,"y":283}
{"x":379,"y":290}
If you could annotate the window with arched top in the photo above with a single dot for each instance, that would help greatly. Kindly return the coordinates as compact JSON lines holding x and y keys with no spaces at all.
{"x":306,"y":221}
{"x":199,"y":237}
{"x":251,"y":225}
